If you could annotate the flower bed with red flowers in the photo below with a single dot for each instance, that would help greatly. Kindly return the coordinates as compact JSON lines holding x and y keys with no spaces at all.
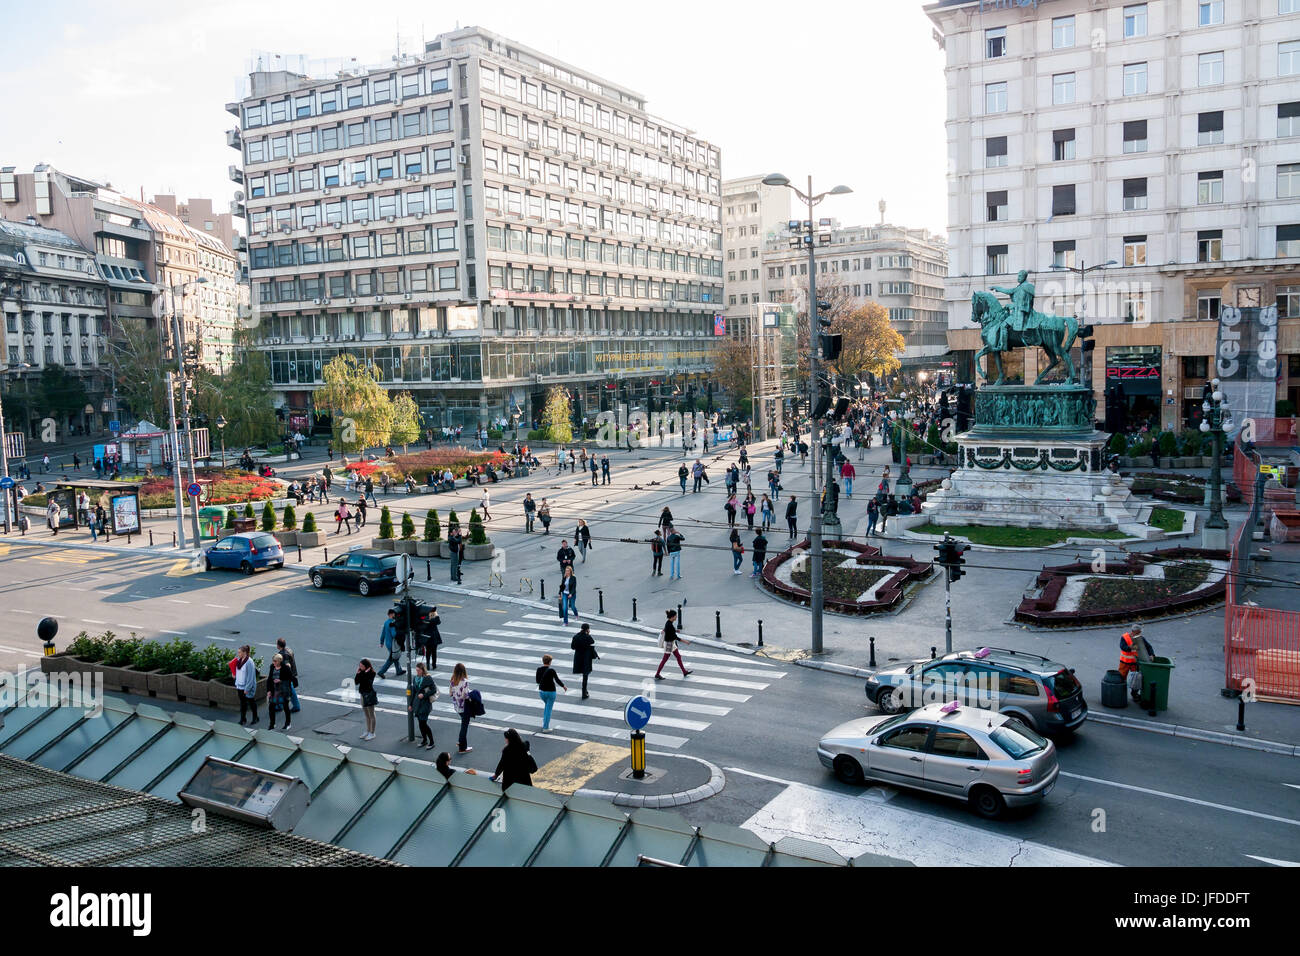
{"x":440,"y":459}
{"x":227,"y":487}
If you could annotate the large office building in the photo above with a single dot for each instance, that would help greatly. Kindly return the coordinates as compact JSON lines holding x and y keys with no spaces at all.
{"x":752,"y":216}
{"x":478,"y":223}
{"x":1159,"y":140}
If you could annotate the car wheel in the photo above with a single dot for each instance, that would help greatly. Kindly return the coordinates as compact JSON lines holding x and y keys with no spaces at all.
{"x":848,"y":770}
{"x":246,"y":567}
{"x":363,"y":587}
{"x":207,"y":564}
{"x":987,"y":802}
{"x":318,"y":580}
{"x":889,"y":701}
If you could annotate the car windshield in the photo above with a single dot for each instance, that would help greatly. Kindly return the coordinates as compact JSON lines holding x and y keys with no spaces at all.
{"x":1063,"y":684}
{"x":884,"y":725}
{"x":264,"y":541}
{"x":1018,"y":740}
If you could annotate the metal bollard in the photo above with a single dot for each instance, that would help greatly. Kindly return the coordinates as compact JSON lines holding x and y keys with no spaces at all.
{"x":1241,"y":712}
{"x":760,"y":632}
{"x":327,"y":554}
{"x":601,"y":593}
{"x":717,"y":625}
{"x":300,"y":554}
{"x":543,"y":580}
{"x":934,"y":652}
{"x":634,"y":609}
{"x":173,"y":539}
{"x":680,"y":617}
{"x":128,"y":537}
{"x":428,"y":570}
{"x":151,"y":537}
{"x":872,"y":662}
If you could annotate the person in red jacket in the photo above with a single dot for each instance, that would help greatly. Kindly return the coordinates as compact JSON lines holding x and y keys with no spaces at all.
{"x":848,"y":473}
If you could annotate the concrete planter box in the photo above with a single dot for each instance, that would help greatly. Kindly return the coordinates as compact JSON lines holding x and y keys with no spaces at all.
{"x":226,"y":533}
{"x":310,"y":539}
{"x":478,"y":552}
{"x":222,"y":693}
{"x":426,"y":549}
{"x":65,"y":663}
{"x":134,"y":680}
{"x":405,"y":545}
{"x":162,"y":685}
{"x":192,"y":690}
{"x":287,"y":538}
{"x":382,"y":544}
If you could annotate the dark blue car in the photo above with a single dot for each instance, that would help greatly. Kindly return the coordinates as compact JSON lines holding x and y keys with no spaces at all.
{"x":246,"y":552}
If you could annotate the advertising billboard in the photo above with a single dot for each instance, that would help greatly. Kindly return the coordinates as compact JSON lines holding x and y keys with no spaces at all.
{"x":126,"y":513}
{"x":1245,"y":361}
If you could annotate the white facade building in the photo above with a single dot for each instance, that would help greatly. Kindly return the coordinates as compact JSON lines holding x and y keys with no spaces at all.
{"x":752,"y":216}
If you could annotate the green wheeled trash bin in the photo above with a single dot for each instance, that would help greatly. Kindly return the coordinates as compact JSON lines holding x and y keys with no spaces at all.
{"x":1155,"y":683}
{"x":211,"y":520}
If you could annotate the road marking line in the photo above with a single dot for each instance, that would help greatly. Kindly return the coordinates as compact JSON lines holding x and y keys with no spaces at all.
{"x":253,"y":610}
{"x":138,"y":595}
{"x":19,"y":610}
{"x":139,"y":627}
{"x":339,"y":620}
{"x":178,"y":601}
{"x":19,"y":650}
{"x":880,"y":792}
{"x":87,"y":620}
{"x":1265,"y":859}
{"x":305,"y":617}
{"x":222,"y":606}
{"x":492,"y":610}
{"x":572,"y":771}
{"x":312,"y":650}
{"x":1179,"y":797}
{"x":165,"y":631}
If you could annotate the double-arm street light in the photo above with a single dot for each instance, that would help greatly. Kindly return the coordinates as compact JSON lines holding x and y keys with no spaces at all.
{"x":819,"y":509}
{"x":1215,"y":406}
{"x":1082,"y":270}
{"x":10,"y":495}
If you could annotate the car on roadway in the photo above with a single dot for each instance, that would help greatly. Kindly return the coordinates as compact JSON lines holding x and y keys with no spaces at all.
{"x":1041,"y":693}
{"x":361,"y":569}
{"x":246,"y":551}
{"x":989,"y":760}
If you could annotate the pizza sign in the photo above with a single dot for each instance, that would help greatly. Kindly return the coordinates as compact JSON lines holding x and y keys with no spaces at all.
{"x":1132,"y":372}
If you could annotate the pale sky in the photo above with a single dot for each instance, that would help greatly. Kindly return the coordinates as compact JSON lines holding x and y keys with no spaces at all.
{"x":853,"y":93}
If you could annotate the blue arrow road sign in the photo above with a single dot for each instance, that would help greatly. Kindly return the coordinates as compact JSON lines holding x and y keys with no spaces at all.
{"x":637,"y":713}
{"x":6,"y":482}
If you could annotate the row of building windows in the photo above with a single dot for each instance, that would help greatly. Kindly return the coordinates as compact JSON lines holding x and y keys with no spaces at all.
{"x":354,"y":95}
{"x":1134,"y":195}
{"x":560,"y":246}
{"x":67,"y":324}
{"x":387,"y":282}
{"x":1209,"y":248}
{"x":558,"y":282}
{"x":28,"y":353}
{"x":373,"y":168}
{"x":359,"y":209}
{"x":366,"y":131}
{"x":409,"y":241}
{"x":72,"y":294}
{"x":61,"y":261}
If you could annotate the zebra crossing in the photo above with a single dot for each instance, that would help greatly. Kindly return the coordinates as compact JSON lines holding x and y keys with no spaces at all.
{"x":503,"y":661}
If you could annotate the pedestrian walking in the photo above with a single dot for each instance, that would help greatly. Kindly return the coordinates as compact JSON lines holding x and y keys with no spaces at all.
{"x":665,"y":520}
{"x":516,"y":764}
{"x":583,"y":646}
{"x":582,"y":537}
{"x":668,"y":641}
{"x":283,"y":650}
{"x":544,"y":515}
{"x":730,"y":508}
{"x":848,"y":473}
{"x":778,"y":456}
{"x":460,"y":702}
{"x":454,"y":539}
{"x":760,"y":554}
{"x":873,"y":514}
{"x":428,"y":638}
{"x":244,"y":671}
{"x":279,"y":682}
{"x":751,"y":508}
{"x":390,"y":640}
{"x":530,"y":512}
{"x":565,"y":556}
{"x":673,"y":543}
{"x":424,"y":692}
{"x":792,"y":516}
{"x":361,"y":512}
{"x":767,"y":512}
{"x":364,"y":682}
{"x":737,"y":555}
{"x":682,"y":474}
{"x":52,"y":515}
{"x":604,"y":469}
{"x":45,"y":463}
{"x":547,"y":678}
{"x":568,"y":594}
{"x":594,"y":468}
{"x":483,"y":505}
{"x":697,"y":474}
{"x":370,"y":490}
{"x":342,"y":516}
{"x":657,"y":554}
{"x":76,"y":462}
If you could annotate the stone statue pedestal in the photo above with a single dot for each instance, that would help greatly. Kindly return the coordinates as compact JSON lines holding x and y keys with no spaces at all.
{"x":1034,"y":460}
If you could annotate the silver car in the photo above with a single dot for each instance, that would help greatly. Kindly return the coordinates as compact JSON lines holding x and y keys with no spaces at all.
{"x":990,"y":760}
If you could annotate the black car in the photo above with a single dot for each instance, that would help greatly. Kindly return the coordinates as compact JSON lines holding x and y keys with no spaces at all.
{"x":365,"y":570}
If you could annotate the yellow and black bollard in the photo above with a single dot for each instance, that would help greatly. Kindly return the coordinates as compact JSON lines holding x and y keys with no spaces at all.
{"x":46,"y":631}
{"x":638,"y":755}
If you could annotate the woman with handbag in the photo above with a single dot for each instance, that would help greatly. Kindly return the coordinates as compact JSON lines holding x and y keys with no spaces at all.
{"x":278,"y":681}
{"x":364,"y":682}
{"x":459,"y":700}
{"x":583,"y":646}
{"x":516,"y":764}
{"x":425,"y":692}
{"x":668,"y":640}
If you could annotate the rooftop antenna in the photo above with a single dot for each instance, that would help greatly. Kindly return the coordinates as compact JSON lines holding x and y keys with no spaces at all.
{"x":881,"y":206}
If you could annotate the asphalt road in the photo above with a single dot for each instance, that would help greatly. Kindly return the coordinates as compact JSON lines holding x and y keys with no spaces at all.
{"x":1124,"y":797}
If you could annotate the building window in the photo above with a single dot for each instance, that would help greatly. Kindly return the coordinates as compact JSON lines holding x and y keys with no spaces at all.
{"x":995,"y":43}
{"x":447,"y":277}
{"x":1062,"y":88}
{"x":995,"y":97}
{"x":1135,"y":194}
{"x":1209,"y":128}
{"x":1062,"y":144}
{"x":1209,"y":187}
{"x":1288,"y":6}
{"x":1209,"y":245}
{"x":1063,"y":200}
{"x":995,"y":151}
{"x":1134,"y":308}
{"x":1288,"y":118}
{"x":1209,"y":69}
{"x":1135,"y":136}
{"x":1288,"y":301}
{"x":997,"y":206}
{"x":1063,"y":253}
{"x":1135,"y":21}
{"x":1135,"y":250}
{"x":1210,"y":13}
{"x":1135,"y":79}
{"x":1062,"y":33}
{"x":995,"y":259}
{"x":1288,"y":181}
{"x":1207,"y":306}
{"x":1288,"y":58}
{"x":1288,"y":241}
{"x":438,"y":79}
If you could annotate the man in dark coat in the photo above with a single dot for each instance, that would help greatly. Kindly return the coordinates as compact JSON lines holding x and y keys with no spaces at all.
{"x":584,"y":652}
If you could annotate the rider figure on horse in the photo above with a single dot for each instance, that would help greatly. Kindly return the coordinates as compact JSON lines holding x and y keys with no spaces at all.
{"x":1020,"y":309}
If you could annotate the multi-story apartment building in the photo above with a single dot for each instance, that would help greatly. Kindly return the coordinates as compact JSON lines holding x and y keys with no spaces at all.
{"x":198,"y":214}
{"x":1160,"y":140}
{"x":901,"y":269}
{"x":477,"y":223}
{"x":752,"y":215}
{"x":55,"y":307}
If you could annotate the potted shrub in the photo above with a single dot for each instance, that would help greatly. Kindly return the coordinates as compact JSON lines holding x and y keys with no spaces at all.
{"x":428,"y":547}
{"x":385,"y":539}
{"x":453,"y":522}
{"x":203,"y":668}
{"x":407,"y":543}
{"x":168,"y":661}
{"x":1168,"y":445}
{"x":248,"y":510}
{"x":268,"y":516}
{"x":309,"y":537}
{"x":116,"y":665}
{"x":478,"y":548}
{"x":289,"y":527}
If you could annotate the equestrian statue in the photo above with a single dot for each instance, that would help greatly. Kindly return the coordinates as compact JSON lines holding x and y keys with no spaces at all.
{"x":1017,"y":325}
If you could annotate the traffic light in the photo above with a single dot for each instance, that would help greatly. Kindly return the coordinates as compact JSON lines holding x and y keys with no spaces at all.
{"x":1086,"y":343}
{"x":950,"y":557}
{"x":831,"y":344}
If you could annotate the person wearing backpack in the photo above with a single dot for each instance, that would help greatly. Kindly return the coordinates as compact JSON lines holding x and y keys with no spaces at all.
{"x":516,"y":764}
{"x":546,"y":679}
{"x":657,"y":554}
{"x":460,"y":701}
{"x":425,"y":692}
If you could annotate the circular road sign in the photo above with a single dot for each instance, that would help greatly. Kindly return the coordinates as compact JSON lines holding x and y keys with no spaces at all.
{"x":195,"y":489}
{"x":637,"y":712}
{"x":6,"y":482}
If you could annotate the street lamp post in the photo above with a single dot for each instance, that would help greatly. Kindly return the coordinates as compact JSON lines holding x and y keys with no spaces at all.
{"x":179,"y":346}
{"x":221,"y":424}
{"x":817,"y":597}
{"x":1215,"y":532}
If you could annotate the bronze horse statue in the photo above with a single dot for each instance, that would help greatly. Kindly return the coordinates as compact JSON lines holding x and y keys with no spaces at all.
{"x":1054,"y":334}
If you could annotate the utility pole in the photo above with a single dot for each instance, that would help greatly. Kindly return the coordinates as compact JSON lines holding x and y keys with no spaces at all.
{"x":176,"y":464}
{"x":179,"y":342}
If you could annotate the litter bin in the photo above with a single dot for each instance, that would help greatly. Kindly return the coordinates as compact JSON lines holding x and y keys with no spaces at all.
{"x":1155,"y":682}
{"x":1114,"y":690}
{"x":211,"y":519}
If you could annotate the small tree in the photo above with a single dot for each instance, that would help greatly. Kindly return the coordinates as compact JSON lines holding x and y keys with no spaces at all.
{"x":268,"y":516}
{"x":476,"y":533}
{"x":1168,"y":444}
{"x":556,"y":415}
{"x":432,"y":532}
{"x":248,"y":510}
{"x":309,"y":523}
{"x":453,"y":522}
{"x":1118,"y":443}
{"x":230,"y":517}
{"x":385,"y":523}
{"x":290,"y":522}
{"x":408,"y":527}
